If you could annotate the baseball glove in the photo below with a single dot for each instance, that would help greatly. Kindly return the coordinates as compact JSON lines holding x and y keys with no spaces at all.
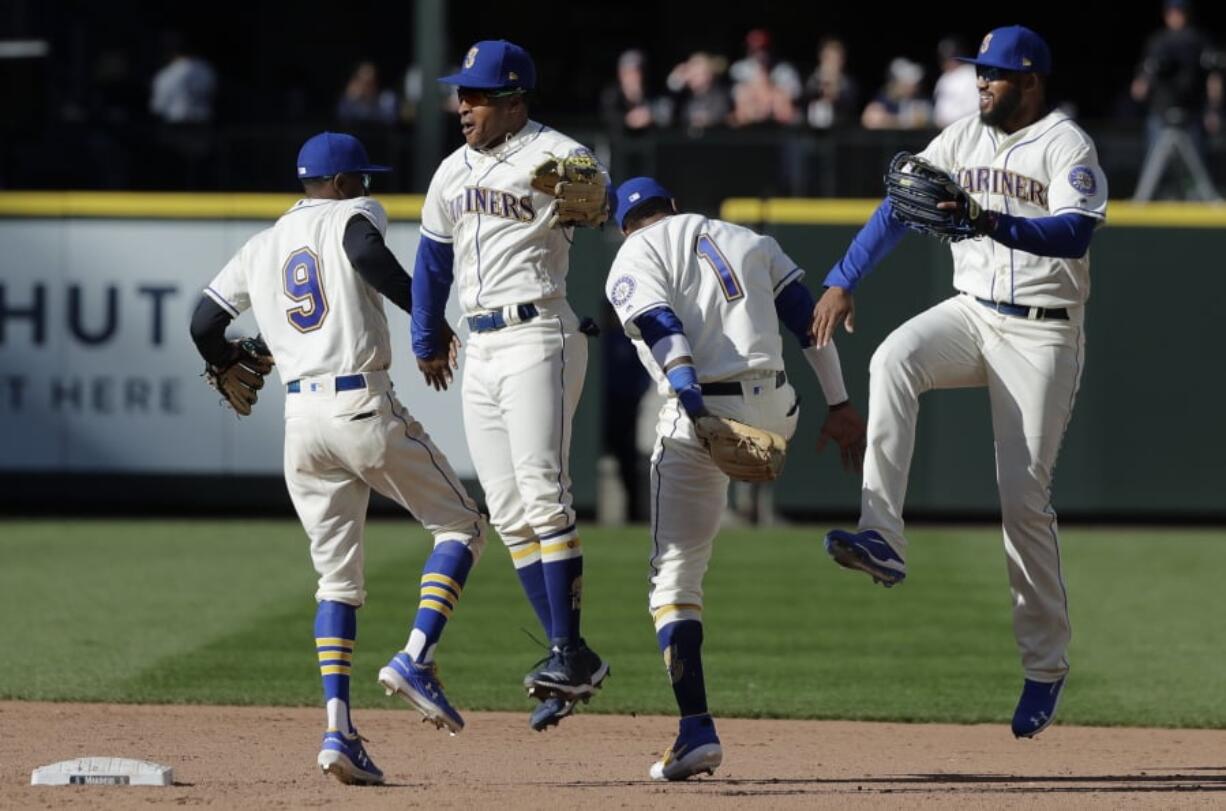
{"x":915,"y":187}
{"x":577,"y":183}
{"x":242,"y":376}
{"x":743,"y":452}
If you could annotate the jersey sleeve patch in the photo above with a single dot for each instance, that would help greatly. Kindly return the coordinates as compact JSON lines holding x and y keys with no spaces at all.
{"x":622,"y":291}
{"x":1082,"y":179}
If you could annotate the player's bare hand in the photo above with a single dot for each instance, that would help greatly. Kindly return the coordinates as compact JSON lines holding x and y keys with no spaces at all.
{"x":836,"y":305}
{"x":436,"y":371}
{"x":449,"y":339}
{"x":845,"y":426}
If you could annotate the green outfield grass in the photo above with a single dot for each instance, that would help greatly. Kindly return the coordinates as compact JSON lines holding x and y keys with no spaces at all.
{"x":221,"y":612}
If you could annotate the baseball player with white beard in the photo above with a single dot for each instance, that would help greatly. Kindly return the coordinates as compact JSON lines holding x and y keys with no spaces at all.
{"x":314,"y":282}
{"x":1015,"y":326}
{"x":702,"y":301}
{"x":485,"y":228}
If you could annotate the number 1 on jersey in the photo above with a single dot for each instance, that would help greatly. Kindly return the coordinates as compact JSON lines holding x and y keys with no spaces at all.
{"x":728,"y":282}
{"x":303,"y":283}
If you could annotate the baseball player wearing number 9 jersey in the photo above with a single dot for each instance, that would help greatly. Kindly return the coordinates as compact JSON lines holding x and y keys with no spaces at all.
{"x":702,"y":301}
{"x":314,"y":282}
{"x":1015,"y":327}
{"x":488,"y":231}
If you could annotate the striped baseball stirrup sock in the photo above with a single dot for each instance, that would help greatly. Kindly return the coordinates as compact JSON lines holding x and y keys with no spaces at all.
{"x":681,"y":644}
{"x":562,"y":562}
{"x":526,"y":556}
{"x":442,"y":582}
{"x":336,"y":630}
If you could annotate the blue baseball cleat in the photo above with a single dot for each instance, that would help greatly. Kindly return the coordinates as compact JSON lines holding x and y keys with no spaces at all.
{"x":419,"y":685}
{"x":570,"y":672}
{"x":344,"y":757}
{"x":1036,"y":709}
{"x":866,"y":552}
{"x":696,"y":750}
{"x":550,"y":712}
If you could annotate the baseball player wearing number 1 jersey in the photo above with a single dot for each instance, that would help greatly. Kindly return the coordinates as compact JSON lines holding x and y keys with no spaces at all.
{"x":702,"y":301}
{"x":1015,"y":327}
{"x":314,"y":281}
{"x":500,"y":241}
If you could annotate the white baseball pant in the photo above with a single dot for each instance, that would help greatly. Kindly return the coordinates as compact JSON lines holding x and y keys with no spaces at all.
{"x":1032,"y":370}
{"x":340,"y":445}
{"x":689,"y":493}
{"x":521,"y":388}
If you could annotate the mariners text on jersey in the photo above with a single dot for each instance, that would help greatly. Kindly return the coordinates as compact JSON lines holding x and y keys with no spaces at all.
{"x":494,"y":202}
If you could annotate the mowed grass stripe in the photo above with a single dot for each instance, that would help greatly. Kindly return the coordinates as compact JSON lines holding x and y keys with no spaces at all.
{"x":221,"y":612}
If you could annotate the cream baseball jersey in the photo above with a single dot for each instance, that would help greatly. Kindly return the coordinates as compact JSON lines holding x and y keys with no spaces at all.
{"x":317,"y":315}
{"x":1045,"y":169}
{"x":482,"y":203}
{"x":720,"y":279}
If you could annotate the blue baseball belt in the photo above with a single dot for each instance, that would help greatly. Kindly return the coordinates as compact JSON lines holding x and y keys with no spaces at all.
{"x":340,"y":383}
{"x":732,"y":388}
{"x":489,"y":322}
{"x":1021,"y":311}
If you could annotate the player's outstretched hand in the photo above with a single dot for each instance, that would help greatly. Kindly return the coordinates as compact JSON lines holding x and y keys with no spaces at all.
{"x":835,"y":305}
{"x":846,"y":427}
{"x":438,"y":369}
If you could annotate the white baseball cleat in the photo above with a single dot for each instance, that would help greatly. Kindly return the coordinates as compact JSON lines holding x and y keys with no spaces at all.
{"x":695,"y":751}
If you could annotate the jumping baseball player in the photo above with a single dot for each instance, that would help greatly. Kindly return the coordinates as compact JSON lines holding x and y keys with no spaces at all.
{"x":505,"y":242}
{"x":702,"y":301}
{"x":1034,"y":195}
{"x":314,"y":281}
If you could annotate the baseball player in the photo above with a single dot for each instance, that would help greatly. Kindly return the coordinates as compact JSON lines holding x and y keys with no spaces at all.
{"x":314,"y":282}
{"x":1014,"y":326}
{"x":702,"y":301}
{"x":505,"y":245}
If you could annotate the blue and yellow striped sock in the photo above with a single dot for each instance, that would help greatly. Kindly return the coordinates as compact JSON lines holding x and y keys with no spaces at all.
{"x":562,"y":559}
{"x":526,"y":556}
{"x":681,"y":643}
{"x":336,"y":630}
{"x":442,"y":581}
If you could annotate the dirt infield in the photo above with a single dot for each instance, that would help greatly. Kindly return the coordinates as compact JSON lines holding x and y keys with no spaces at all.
{"x":265,"y":757}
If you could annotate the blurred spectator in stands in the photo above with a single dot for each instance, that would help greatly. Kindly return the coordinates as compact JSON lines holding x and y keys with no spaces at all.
{"x":900,"y":105}
{"x":1180,"y":82}
{"x":626,"y":106}
{"x":449,"y":102}
{"x":363,"y":101}
{"x":703,"y":100}
{"x":831,"y":96}
{"x":956,"y":94}
{"x":764,"y":91}
{"x":184,"y":88}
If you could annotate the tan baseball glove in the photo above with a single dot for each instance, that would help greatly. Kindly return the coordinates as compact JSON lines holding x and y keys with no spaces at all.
{"x":743,"y":452}
{"x":577,"y":183}
{"x":241,"y":378}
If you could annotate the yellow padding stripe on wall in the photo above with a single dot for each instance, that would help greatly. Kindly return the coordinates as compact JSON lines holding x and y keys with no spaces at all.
{"x":175,"y":205}
{"x":812,"y":211}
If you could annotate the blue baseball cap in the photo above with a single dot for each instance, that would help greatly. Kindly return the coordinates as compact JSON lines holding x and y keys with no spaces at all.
{"x":1014,"y":47}
{"x":633,"y":193}
{"x":331,"y":153}
{"x":495,"y":64}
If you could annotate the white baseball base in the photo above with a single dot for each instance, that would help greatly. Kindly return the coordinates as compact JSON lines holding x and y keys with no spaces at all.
{"x":107,"y":771}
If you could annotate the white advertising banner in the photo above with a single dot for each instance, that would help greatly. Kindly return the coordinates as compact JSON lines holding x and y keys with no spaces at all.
{"x":99,"y":374}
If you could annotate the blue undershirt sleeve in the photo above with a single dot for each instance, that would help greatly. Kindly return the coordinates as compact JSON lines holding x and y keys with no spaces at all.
{"x":655,"y":325}
{"x":432,"y":278}
{"x":794,"y":306}
{"x":873,"y":243}
{"x":1064,"y":235}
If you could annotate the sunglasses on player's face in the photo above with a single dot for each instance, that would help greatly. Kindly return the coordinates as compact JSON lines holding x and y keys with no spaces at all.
{"x":481,"y":98}
{"x":991,"y":74}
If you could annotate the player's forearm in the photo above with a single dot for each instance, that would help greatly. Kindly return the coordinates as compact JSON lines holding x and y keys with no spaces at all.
{"x":1064,"y":235}
{"x":664,"y":336}
{"x":432,"y":277}
{"x":375,"y":263}
{"x":208,"y":329}
{"x":873,"y":243}
{"x":794,"y":306}
{"x":825,"y":363}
